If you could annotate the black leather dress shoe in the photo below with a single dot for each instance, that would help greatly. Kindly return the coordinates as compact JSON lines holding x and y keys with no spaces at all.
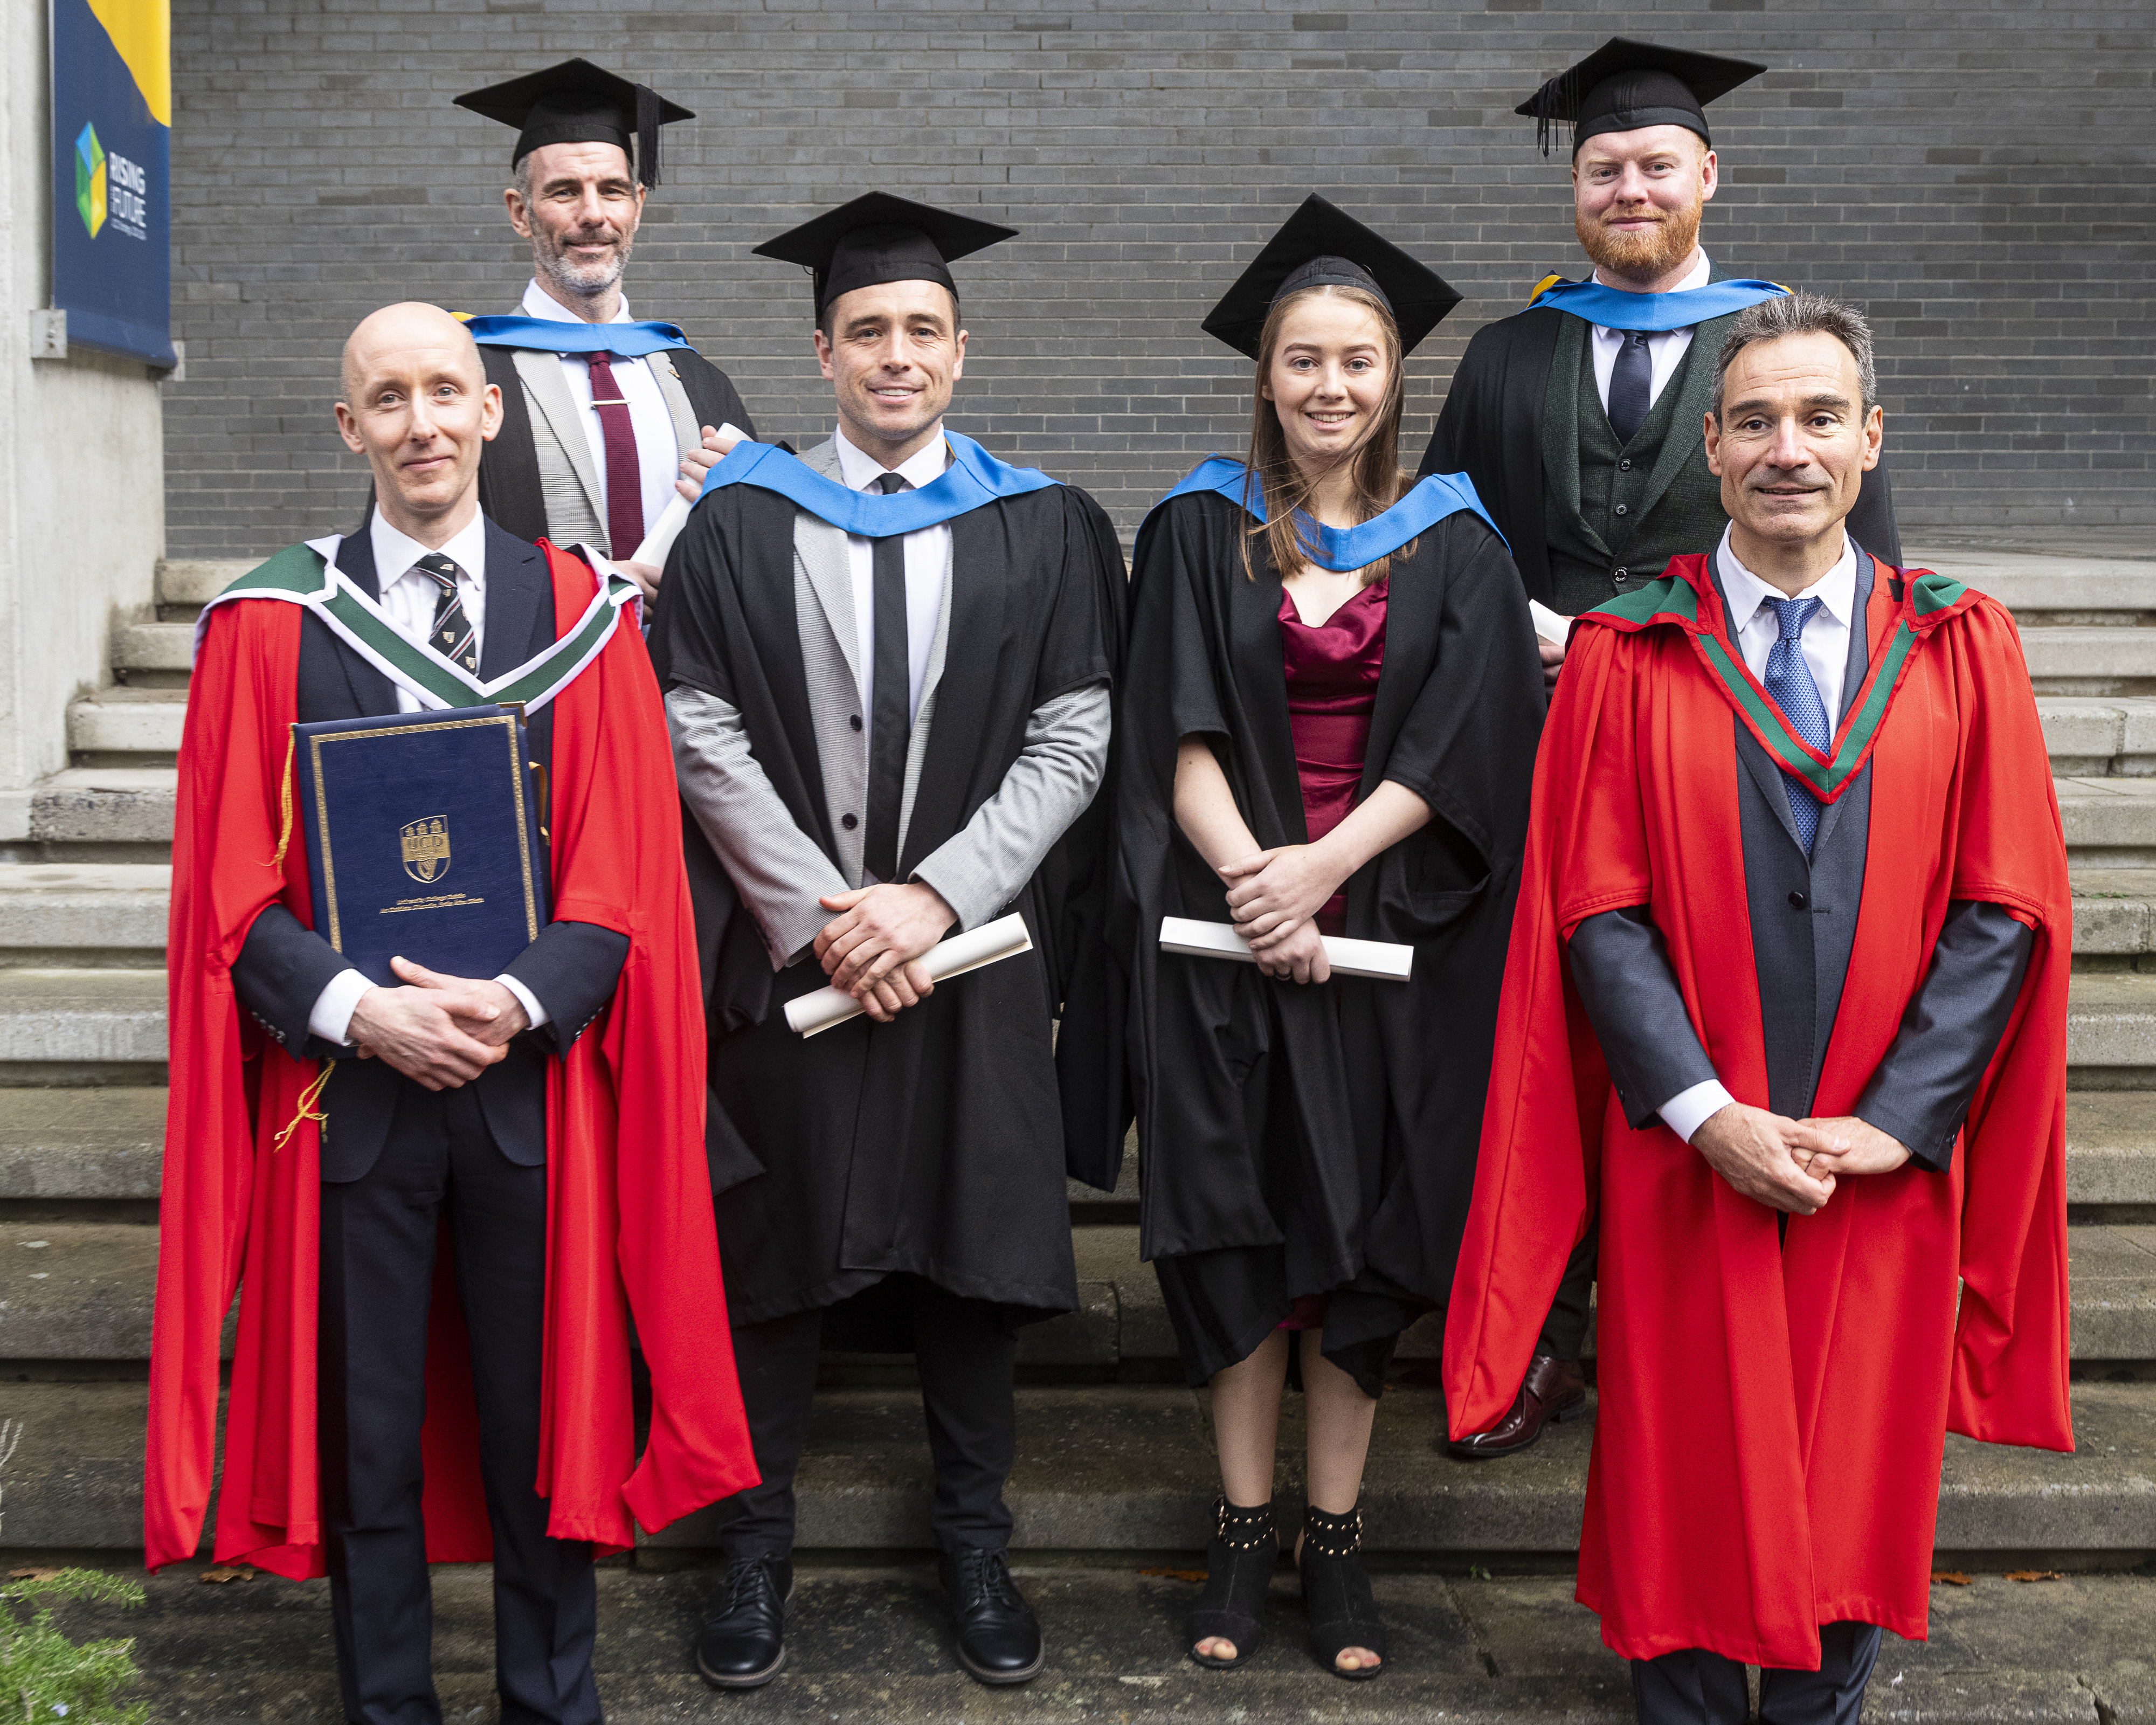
{"x":998,"y":1637}
{"x":1554,"y":1391}
{"x":744,"y":1647}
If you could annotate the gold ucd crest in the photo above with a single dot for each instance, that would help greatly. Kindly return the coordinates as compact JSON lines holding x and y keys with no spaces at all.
{"x":426,"y":845}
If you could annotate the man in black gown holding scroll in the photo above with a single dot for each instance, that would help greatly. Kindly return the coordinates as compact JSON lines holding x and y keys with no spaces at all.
{"x":887,"y":672}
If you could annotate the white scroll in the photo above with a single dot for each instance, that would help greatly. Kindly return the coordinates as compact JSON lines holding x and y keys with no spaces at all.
{"x":1549,"y":625}
{"x":1380,"y":960}
{"x":675,"y":515}
{"x":954,"y":956}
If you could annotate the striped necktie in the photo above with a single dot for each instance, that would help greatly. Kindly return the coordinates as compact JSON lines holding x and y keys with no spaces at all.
{"x":1788,"y":679}
{"x":451,"y":634}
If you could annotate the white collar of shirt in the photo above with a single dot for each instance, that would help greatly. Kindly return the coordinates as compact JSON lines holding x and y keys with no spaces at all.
{"x":1836,"y":590}
{"x":1665,"y":348}
{"x":1755,"y":626}
{"x":539,"y":303}
{"x":394,"y":555}
{"x":859,"y":471}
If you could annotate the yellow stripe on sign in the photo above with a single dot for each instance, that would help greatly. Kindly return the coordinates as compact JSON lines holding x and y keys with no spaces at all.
{"x":142,"y":30}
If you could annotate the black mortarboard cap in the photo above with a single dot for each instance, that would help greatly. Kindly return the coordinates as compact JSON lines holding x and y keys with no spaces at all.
{"x":878,"y":237}
{"x":1624,"y":85}
{"x":579,"y":103}
{"x":1322,"y":245}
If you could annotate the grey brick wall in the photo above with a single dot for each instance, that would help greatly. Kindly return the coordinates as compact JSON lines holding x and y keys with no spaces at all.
{"x":1980,"y":176}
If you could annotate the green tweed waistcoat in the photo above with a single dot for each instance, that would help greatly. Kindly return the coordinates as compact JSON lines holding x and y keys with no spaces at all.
{"x":1616,"y":513}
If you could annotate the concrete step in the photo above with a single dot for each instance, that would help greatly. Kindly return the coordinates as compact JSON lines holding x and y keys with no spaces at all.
{"x":71,"y":1146}
{"x":871,"y":1642}
{"x":115,"y":910}
{"x":2111,"y":1031}
{"x":184,"y":581}
{"x":128,"y":721}
{"x":122,"y":907}
{"x":154,"y":646}
{"x":2099,"y":737}
{"x":2080,"y":589}
{"x":1131,"y":1468}
{"x":2069,"y":660}
{"x":82,"y":1290}
{"x":74,"y":1145}
{"x":89,"y":810}
{"x":81,"y":1017}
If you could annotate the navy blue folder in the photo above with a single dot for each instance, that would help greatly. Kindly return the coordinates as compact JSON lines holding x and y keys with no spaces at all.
{"x":423,"y":839}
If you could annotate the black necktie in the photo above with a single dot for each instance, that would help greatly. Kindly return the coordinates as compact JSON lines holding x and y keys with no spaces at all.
{"x":890,"y":721}
{"x":452,"y":634}
{"x":1630,"y":381}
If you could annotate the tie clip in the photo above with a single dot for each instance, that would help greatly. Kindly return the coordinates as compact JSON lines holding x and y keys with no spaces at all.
{"x":609,"y":401}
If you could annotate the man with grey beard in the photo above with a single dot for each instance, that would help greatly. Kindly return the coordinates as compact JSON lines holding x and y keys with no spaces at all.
{"x":603,"y":416}
{"x":1581,"y":419}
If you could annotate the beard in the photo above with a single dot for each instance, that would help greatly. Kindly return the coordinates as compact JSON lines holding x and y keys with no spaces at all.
{"x":1660,"y":248}
{"x":550,"y":257}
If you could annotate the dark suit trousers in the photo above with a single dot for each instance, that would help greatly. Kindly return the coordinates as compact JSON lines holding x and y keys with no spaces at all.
{"x":966,"y":1357}
{"x":439,"y":1165}
{"x":1696,"y":1687}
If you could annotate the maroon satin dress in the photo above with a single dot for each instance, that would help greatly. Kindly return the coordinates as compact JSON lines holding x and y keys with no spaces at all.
{"x":1332,"y":688}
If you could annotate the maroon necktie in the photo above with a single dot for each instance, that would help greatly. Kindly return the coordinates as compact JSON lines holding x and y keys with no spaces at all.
{"x":624,"y":478}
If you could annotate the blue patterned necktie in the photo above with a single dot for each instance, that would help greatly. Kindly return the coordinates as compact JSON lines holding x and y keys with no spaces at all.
{"x":452,"y":634}
{"x":1788,"y":679}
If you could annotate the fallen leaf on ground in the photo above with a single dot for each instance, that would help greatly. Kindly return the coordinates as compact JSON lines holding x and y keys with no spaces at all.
{"x":225,"y":1573}
{"x":2033,"y":1575}
{"x":1952,"y":1578}
{"x":33,"y":1574}
{"x":1177,"y":1574}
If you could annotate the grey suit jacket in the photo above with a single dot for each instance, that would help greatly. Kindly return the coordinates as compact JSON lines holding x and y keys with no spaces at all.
{"x":1803,"y":913}
{"x":568,"y":476}
{"x":780,"y":870}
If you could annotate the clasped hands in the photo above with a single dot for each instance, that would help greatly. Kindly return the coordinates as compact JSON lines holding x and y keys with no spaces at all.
{"x":872,"y":947}
{"x":1792,"y":1164}
{"x":1274,"y":897}
{"x":440,"y":1031}
{"x":695,"y":464}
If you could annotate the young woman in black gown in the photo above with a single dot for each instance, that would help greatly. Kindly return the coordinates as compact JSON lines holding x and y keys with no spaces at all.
{"x":1332,"y":706}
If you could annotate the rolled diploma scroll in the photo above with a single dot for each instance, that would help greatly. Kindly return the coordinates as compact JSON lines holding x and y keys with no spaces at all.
{"x":1549,"y":625}
{"x":1380,"y":960}
{"x":675,"y":515}
{"x":1003,"y":938}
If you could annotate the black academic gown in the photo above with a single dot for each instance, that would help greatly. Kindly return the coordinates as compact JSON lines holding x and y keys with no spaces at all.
{"x":509,"y":489}
{"x":1300,"y":1139}
{"x":931,"y":1145}
{"x":1491,"y":429}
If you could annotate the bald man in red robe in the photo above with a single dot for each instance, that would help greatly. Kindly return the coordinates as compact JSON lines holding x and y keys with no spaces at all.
{"x":1787,"y":994}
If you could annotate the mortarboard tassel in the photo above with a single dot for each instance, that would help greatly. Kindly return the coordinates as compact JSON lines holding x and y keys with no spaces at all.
{"x":647,"y":134}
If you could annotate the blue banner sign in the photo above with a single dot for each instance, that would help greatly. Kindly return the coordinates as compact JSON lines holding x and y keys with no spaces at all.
{"x":112,"y":175}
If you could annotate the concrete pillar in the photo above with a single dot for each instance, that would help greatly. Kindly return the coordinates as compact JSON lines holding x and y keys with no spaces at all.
{"x":82,"y":471}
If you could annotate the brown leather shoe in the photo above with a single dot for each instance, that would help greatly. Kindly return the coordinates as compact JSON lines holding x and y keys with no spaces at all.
{"x":1554,"y":1391}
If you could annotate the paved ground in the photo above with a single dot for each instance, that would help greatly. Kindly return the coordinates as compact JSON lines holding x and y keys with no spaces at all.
{"x":873,"y":1643}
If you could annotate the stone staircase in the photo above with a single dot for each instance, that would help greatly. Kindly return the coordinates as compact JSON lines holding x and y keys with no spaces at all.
{"x":1116,"y":1457}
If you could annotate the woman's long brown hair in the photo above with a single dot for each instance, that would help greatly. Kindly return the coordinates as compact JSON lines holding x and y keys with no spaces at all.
{"x":1373,"y":464}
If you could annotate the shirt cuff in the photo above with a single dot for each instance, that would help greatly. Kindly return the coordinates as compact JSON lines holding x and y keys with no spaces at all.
{"x":1689,"y":1110}
{"x":331,"y":1018}
{"x":529,"y":1001}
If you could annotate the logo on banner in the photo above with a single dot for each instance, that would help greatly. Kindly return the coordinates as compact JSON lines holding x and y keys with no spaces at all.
{"x":109,"y":188}
{"x":426,"y":845}
{"x":91,"y":180}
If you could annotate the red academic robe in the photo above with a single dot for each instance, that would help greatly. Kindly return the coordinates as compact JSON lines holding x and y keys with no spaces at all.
{"x":629,"y":1231}
{"x":1771,"y":1419}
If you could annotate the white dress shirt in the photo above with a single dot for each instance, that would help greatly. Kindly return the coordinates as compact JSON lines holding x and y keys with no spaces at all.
{"x":408,"y":598}
{"x":928,"y":565}
{"x":1825,"y":643}
{"x":656,"y":450}
{"x":1665,"y":352}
